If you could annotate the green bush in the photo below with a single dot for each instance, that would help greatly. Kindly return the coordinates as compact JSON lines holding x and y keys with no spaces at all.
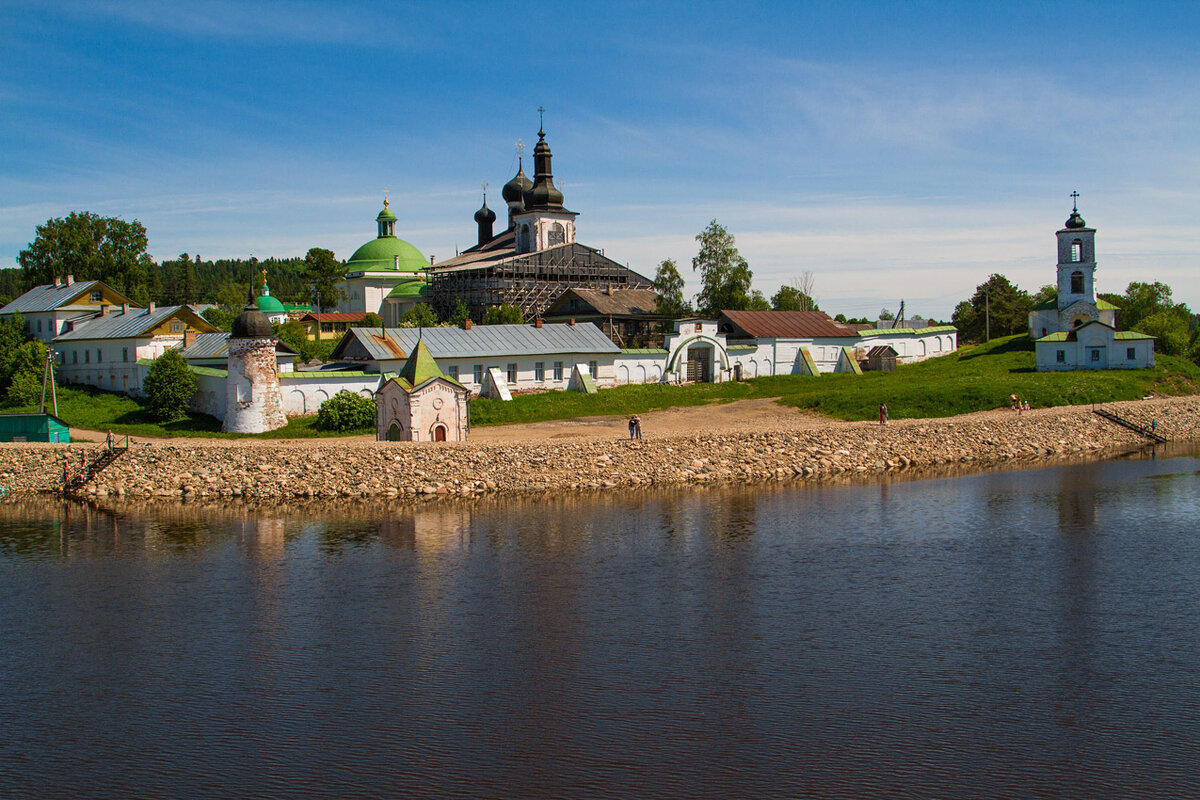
{"x":346,"y":411}
{"x":169,"y":387}
{"x":25,"y":369}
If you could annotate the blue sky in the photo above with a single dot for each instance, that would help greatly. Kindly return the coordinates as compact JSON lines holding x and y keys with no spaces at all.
{"x":895,"y":150}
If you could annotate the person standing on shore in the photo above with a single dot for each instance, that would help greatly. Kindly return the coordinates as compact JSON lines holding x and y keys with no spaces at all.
{"x":637,"y":427}
{"x":632,"y":425}
{"x":883,"y":413}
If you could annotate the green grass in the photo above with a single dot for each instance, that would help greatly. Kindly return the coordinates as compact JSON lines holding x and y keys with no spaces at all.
{"x":93,"y":409}
{"x":971,"y":379}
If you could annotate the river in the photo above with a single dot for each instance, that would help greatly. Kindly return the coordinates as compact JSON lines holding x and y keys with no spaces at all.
{"x":1006,"y":634}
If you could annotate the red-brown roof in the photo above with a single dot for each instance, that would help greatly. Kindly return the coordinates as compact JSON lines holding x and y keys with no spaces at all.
{"x":786,"y":324}
{"x":335,"y":316}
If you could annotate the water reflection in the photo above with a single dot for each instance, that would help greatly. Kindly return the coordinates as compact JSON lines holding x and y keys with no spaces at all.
{"x":1009,"y":634}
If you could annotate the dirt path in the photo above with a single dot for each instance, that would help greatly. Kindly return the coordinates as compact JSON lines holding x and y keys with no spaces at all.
{"x":739,"y":416}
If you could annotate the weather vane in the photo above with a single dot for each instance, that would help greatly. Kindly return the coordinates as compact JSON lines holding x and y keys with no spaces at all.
{"x":484,"y":185}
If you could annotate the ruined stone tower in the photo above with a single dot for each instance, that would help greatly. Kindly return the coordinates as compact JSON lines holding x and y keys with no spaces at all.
{"x":253,"y":401}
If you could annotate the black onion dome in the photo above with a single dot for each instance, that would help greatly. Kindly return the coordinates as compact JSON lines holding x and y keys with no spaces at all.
{"x":514,"y":191}
{"x":485,"y":214}
{"x":543,"y":194}
{"x":251,"y":324}
{"x":1075,"y":221}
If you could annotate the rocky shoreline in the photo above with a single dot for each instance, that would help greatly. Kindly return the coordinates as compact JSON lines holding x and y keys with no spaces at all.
{"x":322,"y":468}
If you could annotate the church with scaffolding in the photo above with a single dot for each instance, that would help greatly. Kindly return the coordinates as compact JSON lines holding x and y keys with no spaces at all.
{"x":534,"y":260}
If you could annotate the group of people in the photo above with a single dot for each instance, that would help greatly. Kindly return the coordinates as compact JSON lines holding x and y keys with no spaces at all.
{"x":1017,"y":404}
{"x":635,"y":427}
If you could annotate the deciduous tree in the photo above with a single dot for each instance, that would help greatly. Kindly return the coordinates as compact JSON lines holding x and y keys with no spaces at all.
{"x":996,"y":300}
{"x":724,"y":275}
{"x":503,"y":315}
{"x":169,"y":387}
{"x":90,"y":247}
{"x":421,"y":315}
{"x":670,"y":304}
{"x":324,"y":271}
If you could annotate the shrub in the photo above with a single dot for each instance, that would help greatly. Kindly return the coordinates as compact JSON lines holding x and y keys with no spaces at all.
{"x":169,"y":387}
{"x":346,"y":411}
{"x":503,"y":315}
{"x":25,"y":369}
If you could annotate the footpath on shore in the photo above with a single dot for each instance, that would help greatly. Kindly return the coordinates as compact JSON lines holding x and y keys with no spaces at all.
{"x":797,"y":446}
{"x":703,"y":445}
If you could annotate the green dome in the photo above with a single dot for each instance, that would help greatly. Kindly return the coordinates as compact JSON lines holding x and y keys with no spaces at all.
{"x":380,"y":255}
{"x":413,"y":288}
{"x":385,"y":214}
{"x":269,"y":305}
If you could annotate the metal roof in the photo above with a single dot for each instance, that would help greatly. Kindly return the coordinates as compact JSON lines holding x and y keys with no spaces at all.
{"x":335,"y":316}
{"x":788,"y":324}
{"x":126,"y":325}
{"x":216,"y":345}
{"x":620,"y":301}
{"x":483,"y":341}
{"x":48,"y":297}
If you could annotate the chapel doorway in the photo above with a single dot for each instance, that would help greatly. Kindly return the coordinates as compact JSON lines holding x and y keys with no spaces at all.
{"x":699,"y":364}
{"x":439,"y":433}
{"x":394,"y":433}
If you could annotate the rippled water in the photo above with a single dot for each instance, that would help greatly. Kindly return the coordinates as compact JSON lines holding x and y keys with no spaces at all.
{"x":1017,"y":634}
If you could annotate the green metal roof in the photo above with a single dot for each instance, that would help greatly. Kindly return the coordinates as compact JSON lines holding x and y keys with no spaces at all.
{"x":646,"y":351}
{"x":1127,"y":335}
{"x":885,"y":331}
{"x":1104,"y":305}
{"x":386,"y":214}
{"x":1052,"y":303}
{"x":379,"y":255}
{"x":420,"y":368}
{"x":1061,"y":336}
{"x":414,"y":288}
{"x":269,"y":305}
{"x":1047,"y":305}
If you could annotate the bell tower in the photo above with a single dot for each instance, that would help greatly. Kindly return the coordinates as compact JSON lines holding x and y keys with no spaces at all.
{"x":1076,"y":260}
{"x":543,"y":221}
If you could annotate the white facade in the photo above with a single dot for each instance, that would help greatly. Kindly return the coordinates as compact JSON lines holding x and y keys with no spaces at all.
{"x":1094,"y":345}
{"x":435,"y":411}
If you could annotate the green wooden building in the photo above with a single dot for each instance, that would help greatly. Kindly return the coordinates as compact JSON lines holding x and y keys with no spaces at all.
{"x":33,"y":428}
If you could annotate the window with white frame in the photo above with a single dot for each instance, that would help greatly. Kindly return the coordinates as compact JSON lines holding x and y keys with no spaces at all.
{"x":558,"y":370}
{"x":511,"y":375}
{"x":539,"y":370}
{"x":478,"y":370}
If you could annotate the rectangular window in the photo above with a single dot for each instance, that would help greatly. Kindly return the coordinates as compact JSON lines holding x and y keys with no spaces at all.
{"x":1130,"y":354}
{"x":87,"y":356}
{"x":1061,"y":356}
{"x":124,"y":353}
{"x":97,"y":295}
{"x":39,"y":326}
{"x":326,"y":327}
{"x":177,"y":326}
{"x":1095,"y":355}
{"x":558,"y":370}
{"x":512,"y":375}
{"x":452,"y":370}
{"x":99,"y":356}
{"x":539,"y":370}
{"x":478,"y":368}
{"x":75,"y":357}
{"x":594,"y":368}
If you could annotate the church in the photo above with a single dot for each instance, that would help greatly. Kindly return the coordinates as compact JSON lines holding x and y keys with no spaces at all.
{"x":534,"y":260}
{"x":1077,"y":330}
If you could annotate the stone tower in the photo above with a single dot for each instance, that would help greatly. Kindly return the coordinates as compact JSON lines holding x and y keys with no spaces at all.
{"x":253,"y":402}
{"x":1076,"y":262}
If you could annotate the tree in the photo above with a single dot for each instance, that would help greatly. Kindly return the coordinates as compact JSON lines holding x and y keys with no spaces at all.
{"x":26,"y":369}
{"x":419,"y":316}
{"x":460,"y":314}
{"x":503,"y":315}
{"x":724,"y":275}
{"x":346,"y":411}
{"x":997,"y":300}
{"x":1142,"y":300}
{"x":90,"y":247}
{"x":295,"y":335}
{"x":369,"y":320}
{"x":792,"y":298}
{"x":758,"y":302}
{"x":885,"y":314}
{"x":12,"y":336}
{"x":232,"y":297}
{"x":323,"y":271}
{"x":670,"y":304}
{"x":1046,"y":294}
{"x":219,"y":317}
{"x":1170,"y":331}
{"x":169,"y":387}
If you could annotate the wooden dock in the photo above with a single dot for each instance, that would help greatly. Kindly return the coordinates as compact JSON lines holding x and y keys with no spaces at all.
{"x":1147,"y":431}
{"x":88,"y":470}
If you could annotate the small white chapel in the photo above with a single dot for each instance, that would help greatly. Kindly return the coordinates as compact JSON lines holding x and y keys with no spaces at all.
{"x":1076,"y":330}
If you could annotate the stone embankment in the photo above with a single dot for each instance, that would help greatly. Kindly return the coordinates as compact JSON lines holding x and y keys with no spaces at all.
{"x":268,"y":470}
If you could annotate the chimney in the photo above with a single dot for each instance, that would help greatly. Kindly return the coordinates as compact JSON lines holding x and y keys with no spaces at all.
{"x":396,"y":262}
{"x":467,"y":324}
{"x":104,"y":310}
{"x":56,"y":282}
{"x":572,"y":322}
{"x":124,"y":308}
{"x":189,"y":337}
{"x":70,"y":279}
{"x":609,"y":290}
{"x":150,"y":308}
{"x":537,"y":323}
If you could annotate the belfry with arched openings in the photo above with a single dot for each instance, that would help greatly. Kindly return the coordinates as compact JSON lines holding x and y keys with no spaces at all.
{"x":1076,"y":329}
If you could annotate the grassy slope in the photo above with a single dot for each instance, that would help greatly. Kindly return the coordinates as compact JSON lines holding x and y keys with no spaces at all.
{"x":972,"y":379}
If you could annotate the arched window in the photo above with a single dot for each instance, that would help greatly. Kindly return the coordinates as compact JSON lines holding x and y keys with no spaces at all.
{"x":558,"y":234}
{"x":525,"y":247}
{"x":1076,"y":282}
{"x":1077,"y":250}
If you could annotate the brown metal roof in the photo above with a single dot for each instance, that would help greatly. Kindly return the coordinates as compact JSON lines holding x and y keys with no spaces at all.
{"x":335,"y":316}
{"x":786,"y":324}
{"x":621,"y":302}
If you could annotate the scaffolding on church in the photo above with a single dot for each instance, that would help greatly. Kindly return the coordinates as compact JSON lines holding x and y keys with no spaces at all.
{"x":531,"y":282}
